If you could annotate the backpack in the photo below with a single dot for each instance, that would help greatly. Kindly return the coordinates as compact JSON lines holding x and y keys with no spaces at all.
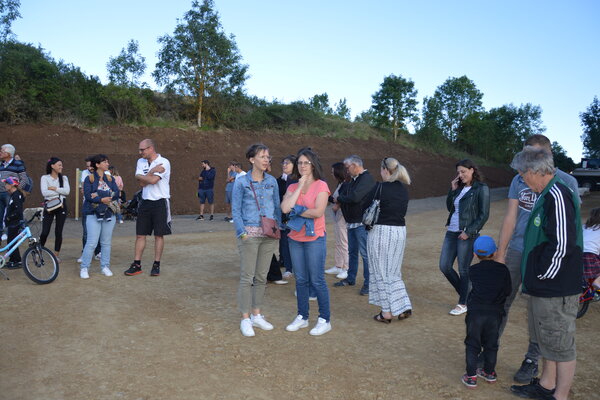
{"x":27,"y":185}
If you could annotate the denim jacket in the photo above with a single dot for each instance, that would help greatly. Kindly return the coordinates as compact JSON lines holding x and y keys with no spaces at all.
{"x":296,"y":221}
{"x":243,"y":206}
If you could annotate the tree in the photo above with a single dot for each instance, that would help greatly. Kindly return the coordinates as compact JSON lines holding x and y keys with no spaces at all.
{"x":561,"y":159}
{"x":9,"y":11}
{"x":320,"y":103}
{"x":199,"y":59}
{"x":590,"y":120}
{"x":451,"y":103}
{"x":395,"y":103}
{"x":342,"y":110}
{"x":127,"y":68}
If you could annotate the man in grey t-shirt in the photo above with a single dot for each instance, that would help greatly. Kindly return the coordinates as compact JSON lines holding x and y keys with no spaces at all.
{"x":510,"y":247}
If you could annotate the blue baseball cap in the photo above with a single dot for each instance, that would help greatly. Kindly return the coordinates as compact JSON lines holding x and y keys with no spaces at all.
{"x":484,"y":246}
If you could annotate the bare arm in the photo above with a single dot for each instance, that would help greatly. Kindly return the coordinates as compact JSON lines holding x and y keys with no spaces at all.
{"x":320,"y":206}
{"x":289,"y":200}
{"x":508,"y":227}
{"x":150,"y":178}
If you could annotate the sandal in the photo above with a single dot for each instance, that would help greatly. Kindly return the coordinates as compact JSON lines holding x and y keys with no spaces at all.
{"x":380,"y":318}
{"x":405,"y":315}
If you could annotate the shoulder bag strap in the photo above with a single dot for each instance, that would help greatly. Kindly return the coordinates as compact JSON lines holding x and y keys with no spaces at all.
{"x":378,"y":191}
{"x":255,"y":199}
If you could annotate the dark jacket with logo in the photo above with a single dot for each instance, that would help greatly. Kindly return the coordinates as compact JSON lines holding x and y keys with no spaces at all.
{"x":473,"y":208}
{"x":353,"y":195}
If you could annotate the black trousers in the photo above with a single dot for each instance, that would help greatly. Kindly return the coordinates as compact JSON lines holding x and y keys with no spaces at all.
{"x":61,"y":216}
{"x":274,"y":270}
{"x":482,"y":333}
{"x":13,"y":232}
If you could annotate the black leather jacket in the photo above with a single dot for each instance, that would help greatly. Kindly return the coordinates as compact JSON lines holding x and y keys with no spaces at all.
{"x":473,"y":208}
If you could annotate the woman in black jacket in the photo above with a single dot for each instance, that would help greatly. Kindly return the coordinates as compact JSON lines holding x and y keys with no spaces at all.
{"x":469,"y":205}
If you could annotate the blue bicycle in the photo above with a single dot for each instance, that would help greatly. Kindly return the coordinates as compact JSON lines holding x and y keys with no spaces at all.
{"x":39,"y":263}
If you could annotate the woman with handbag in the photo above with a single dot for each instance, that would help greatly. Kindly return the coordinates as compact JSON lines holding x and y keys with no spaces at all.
{"x":100,"y":192}
{"x":306,"y":202}
{"x":468,"y":202}
{"x":257,"y":217}
{"x":55,"y":187}
{"x":386,"y":242}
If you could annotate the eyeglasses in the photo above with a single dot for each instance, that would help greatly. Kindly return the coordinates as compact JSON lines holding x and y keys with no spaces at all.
{"x":265,"y":158}
{"x":285,"y":163}
{"x":301,"y":163}
{"x":144,"y":149}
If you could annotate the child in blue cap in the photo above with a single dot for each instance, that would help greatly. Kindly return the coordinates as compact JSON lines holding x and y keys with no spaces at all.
{"x":491,"y":286}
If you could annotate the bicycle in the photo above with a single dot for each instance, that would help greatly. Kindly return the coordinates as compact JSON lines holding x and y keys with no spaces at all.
{"x":589,"y":295}
{"x":39,"y":264}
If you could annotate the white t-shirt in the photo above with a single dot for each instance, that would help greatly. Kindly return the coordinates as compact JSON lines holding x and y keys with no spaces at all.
{"x":453,"y":227}
{"x":591,"y":240}
{"x":159,"y":190}
{"x":239,"y":175}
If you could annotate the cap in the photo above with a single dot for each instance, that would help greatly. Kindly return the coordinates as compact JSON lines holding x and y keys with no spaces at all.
{"x":11,"y":181}
{"x":484,"y":246}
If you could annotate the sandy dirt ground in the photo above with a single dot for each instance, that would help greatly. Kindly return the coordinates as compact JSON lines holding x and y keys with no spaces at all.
{"x":177,"y":336}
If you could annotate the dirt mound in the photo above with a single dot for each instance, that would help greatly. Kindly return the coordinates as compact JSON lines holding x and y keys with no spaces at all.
{"x":185,"y":149}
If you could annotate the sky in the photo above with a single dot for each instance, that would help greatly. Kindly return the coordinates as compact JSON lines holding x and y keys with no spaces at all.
{"x":539,"y":52}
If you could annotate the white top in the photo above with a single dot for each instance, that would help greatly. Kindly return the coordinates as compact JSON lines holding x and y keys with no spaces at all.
{"x":239,"y":175}
{"x":453,"y":227}
{"x":591,"y":240}
{"x":47,"y":181}
{"x":84,"y":174}
{"x":159,"y":190}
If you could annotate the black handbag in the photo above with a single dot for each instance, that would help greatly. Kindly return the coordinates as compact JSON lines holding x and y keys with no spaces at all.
{"x":53,"y":204}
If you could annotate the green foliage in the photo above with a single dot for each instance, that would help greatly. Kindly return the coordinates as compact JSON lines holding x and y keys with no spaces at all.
{"x":561,"y":160}
{"x":128,"y":103}
{"x":9,"y":12}
{"x":342,"y":110}
{"x":395,"y":104}
{"x":199,"y":60}
{"x":590,"y":120}
{"x":320,"y":104}
{"x":127,"y":68}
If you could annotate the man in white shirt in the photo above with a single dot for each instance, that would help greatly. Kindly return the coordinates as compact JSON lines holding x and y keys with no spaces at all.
{"x":153,"y":172}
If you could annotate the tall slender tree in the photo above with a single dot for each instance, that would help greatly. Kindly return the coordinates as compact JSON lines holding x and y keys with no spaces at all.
{"x":395,"y":103}
{"x":127,"y":68}
{"x":590,"y":120}
{"x":9,"y":11}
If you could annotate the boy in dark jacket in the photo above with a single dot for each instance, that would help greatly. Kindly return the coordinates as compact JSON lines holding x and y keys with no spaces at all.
{"x":491,"y":286}
{"x":13,"y":217}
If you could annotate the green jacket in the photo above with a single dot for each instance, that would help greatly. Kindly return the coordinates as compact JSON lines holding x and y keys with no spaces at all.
{"x":473,"y":208}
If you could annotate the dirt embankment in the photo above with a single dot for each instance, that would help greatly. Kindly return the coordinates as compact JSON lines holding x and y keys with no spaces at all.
{"x":430,"y":173}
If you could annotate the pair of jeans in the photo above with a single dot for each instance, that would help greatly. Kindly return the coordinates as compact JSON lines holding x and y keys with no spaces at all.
{"x":357,"y":243}
{"x":452,"y":249}
{"x":84,"y":237}
{"x":482,"y":332}
{"x":255,"y":260}
{"x":309,"y":269}
{"x":98,"y":232}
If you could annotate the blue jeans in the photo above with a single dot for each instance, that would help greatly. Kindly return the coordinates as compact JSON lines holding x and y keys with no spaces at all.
{"x":84,"y":236}
{"x":357,"y":242}
{"x":454,"y":248}
{"x":97,"y":232}
{"x":308,"y":259}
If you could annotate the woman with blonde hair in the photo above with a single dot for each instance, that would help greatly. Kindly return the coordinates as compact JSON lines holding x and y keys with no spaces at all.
{"x":386,"y":242}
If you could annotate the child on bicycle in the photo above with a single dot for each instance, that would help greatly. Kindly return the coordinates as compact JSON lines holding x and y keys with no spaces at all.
{"x":485,"y":304}
{"x":13,"y":217}
{"x":591,"y":248}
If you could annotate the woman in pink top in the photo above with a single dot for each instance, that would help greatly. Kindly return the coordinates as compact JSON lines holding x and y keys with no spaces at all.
{"x":306,"y":202}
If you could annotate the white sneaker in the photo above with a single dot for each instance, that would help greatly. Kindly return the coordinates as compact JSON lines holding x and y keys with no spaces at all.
{"x":246,"y":327}
{"x":106,"y":272}
{"x":297,"y":323}
{"x":333,"y":271}
{"x":260,"y":322}
{"x":280,"y":282}
{"x":80,"y":259}
{"x":97,"y":256}
{"x":321,"y":327}
{"x":343,"y":274}
{"x":458,"y":310}
{"x":313,"y":298}
{"x":287,"y":275}
{"x":83,"y":273}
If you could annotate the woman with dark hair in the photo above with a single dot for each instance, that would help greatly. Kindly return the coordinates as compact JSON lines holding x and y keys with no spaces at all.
{"x":340,"y":269}
{"x":254,"y":195}
{"x":468,"y":202}
{"x":99,"y":191}
{"x":54,"y":185}
{"x":285,"y":180}
{"x":306,"y":202}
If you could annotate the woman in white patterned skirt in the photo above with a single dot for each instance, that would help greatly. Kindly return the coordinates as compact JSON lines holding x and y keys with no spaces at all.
{"x":386,"y":241}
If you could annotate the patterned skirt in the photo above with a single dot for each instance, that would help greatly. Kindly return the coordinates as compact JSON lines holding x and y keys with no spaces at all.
{"x":591,"y":265}
{"x":385,"y":248}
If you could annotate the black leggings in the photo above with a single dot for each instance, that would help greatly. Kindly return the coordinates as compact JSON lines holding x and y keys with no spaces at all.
{"x":61,"y":217}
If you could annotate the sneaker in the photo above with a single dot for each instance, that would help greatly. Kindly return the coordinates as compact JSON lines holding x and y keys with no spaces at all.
{"x":458,"y":310}
{"x":343,"y":274}
{"x":211,"y":217}
{"x":226,"y":219}
{"x":287,"y":275}
{"x":260,"y":322}
{"x":246,"y":327}
{"x":297,"y":323}
{"x":155,"y":270}
{"x":106,"y":271}
{"x":231,"y":220}
{"x":120,"y":221}
{"x":97,"y":256}
{"x":134,"y":269}
{"x":13,"y":265}
{"x":364,"y":291}
{"x":83,"y":273}
{"x":333,"y":271}
{"x":313,"y":298}
{"x":528,"y":371}
{"x":469,"y":381}
{"x":201,"y":218}
{"x":280,"y":282}
{"x":489,"y":378}
{"x":343,"y":282}
{"x":321,"y":327}
{"x":533,"y":390}
{"x":80,"y":259}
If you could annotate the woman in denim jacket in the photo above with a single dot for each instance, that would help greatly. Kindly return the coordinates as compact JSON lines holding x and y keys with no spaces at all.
{"x":256,"y":249}
{"x":469,"y":205}
{"x":99,"y":190}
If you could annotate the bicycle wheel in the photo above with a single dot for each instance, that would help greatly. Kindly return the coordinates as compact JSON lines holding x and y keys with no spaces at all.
{"x":583,"y":307}
{"x":40,"y":265}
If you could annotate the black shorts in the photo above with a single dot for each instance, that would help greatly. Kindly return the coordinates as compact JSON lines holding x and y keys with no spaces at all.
{"x":153,"y":216}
